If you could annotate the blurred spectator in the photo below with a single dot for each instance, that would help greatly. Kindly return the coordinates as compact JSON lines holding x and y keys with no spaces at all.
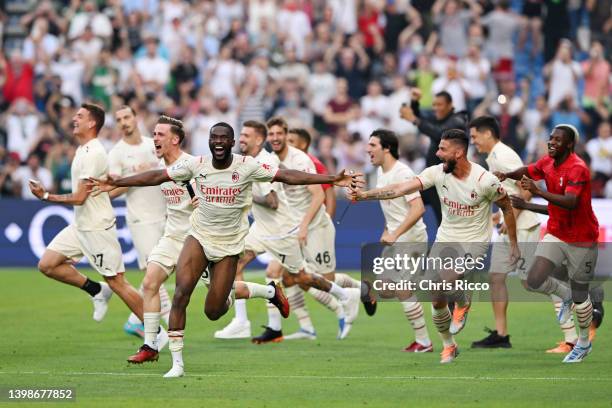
{"x":40,"y":44}
{"x":532,"y":25}
{"x":71,"y":69}
{"x":600,"y":152}
{"x":344,"y":14}
{"x":153,"y":71}
{"x":295,"y":24}
{"x":88,"y":15}
{"x":501,"y":24}
{"x":563,"y":74}
{"x":103,"y":79}
{"x":339,"y":109}
{"x":399,"y":96}
{"x":351,"y":63}
{"x":556,"y":26}
{"x":19,"y":81}
{"x":32,"y":171}
{"x":375,"y":105}
{"x":596,"y":98}
{"x":454,"y":84}
{"x":452,"y":21}
{"x":21,"y":122}
{"x":88,"y":47}
{"x":8,"y":185}
{"x":474,"y":69}
{"x":401,"y":22}
{"x":321,"y":88}
{"x":600,"y":20}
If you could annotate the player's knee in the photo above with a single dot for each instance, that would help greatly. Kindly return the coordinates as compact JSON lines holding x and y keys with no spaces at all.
{"x":534,"y":281}
{"x":46,"y":267}
{"x":150,"y":285}
{"x":214,"y":312}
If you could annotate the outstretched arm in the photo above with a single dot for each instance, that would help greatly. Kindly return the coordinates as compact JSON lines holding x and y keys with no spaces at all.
{"x":75,"y":198}
{"x":522,"y":204}
{"x":388,"y":192}
{"x":514,"y":175}
{"x":147,"y":178}
{"x":297,"y":177}
{"x":568,"y":201}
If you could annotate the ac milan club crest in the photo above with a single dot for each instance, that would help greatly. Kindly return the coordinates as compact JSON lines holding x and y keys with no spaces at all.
{"x":235,"y":177}
{"x":474,"y":195}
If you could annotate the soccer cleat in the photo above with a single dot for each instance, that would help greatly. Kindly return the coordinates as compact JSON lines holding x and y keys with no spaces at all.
{"x":268,"y":336}
{"x":493,"y":340}
{"x":100,"y":302}
{"x":351,"y":304}
{"x":279,"y":300}
{"x":303,"y":334}
{"x":565,"y":311}
{"x":134,"y":329}
{"x":449,"y":354}
{"x":416,"y":347}
{"x":563,"y":347}
{"x":341,"y":326}
{"x":145,"y":353}
{"x":162,"y":339}
{"x":460,"y":315}
{"x":175,"y":372}
{"x":578,"y":354}
{"x":236,"y":329}
{"x":598,"y":314}
{"x":369,"y":303}
{"x":343,"y":334}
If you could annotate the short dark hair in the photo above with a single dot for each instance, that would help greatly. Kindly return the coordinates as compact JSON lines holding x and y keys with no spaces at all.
{"x":445,"y":95}
{"x":486,"y":123}
{"x":225,"y":125}
{"x":570,"y":132}
{"x":388,"y":140}
{"x":302,"y":134}
{"x":259,"y":127}
{"x":278,"y":121}
{"x":97,"y":113}
{"x":457,"y":136}
{"x":176,"y":126}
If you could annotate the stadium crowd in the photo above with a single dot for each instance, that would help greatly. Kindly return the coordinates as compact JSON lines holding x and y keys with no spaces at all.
{"x":340,"y":68}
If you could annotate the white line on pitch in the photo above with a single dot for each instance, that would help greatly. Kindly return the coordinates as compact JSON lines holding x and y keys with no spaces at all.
{"x":317,"y":377}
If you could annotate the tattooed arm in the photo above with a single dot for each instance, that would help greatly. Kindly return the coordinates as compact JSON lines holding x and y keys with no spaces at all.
{"x":388,"y":192}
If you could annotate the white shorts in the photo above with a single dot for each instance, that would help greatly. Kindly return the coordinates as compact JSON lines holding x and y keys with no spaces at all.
{"x":285,"y":250}
{"x":320,"y":250}
{"x":460,"y":258}
{"x":581,"y":261}
{"x":101,"y":248}
{"x":166,"y":254}
{"x":145,"y":237}
{"x":216,"y":251}
{"x":500,"y":255}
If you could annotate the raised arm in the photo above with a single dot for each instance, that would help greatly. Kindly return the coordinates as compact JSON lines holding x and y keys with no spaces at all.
{"x":297,"y":177}
{"x":386,"y":193}
{"x":75,"y":198}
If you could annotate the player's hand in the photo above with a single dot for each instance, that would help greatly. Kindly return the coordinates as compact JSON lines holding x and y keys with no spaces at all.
{"x":518,"y":202}
{"x":529,"y":185}
{"x":302,"y":235}
{"x":98,"y":186}
{"x":388,"y":238}
{"x":407,"y":113}
{"x":515,"y":253}
{"x":195,"y":202}
{"x":496,"y":218}
{"x":37,"y":189}
{"x":502,"y":229}
{"x":415,"y":94}
{"x":348,"y":179}
{"x":354,"y":193}
{"x":500,"y":175}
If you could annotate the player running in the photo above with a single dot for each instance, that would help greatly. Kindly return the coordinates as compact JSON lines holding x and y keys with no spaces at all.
{"x":403,"y":223}
{"x":316,"y":234}
{"x":219,"y":224}
{"x":274,"y":231}
{"x":572,"y":231}
{"x":467,"y":192}
{"x":93,"y":233}
{"x":146,"y":207}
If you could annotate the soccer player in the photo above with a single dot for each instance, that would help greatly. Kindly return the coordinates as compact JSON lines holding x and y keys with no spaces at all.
{"x":274,"y":231}
{"x":93,"y":233}
{"x":146,"y":207}
{"x":219,"y":224}
{"x":316,"y":233}
{"x":572,"y":231}
{"x":484,"y":133}
{"x":300,"y":139}
{"x":403,"y":222}
{"x":467,"y":192}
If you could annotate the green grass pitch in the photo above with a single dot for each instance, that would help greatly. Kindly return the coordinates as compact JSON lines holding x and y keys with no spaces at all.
{"x":50,"y":340}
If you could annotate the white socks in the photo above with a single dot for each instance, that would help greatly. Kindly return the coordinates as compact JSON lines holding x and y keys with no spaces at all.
{"x":151,"y":328}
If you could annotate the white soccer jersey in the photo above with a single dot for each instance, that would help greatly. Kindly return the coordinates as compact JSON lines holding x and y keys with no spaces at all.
{"x":466,"y":204}
{"x":269,"y":222}
{"x":503,"y":158}
{"x":299,"y":197}
{"x":395,"y":210}
{"x":225,"y":194}
{"x":178,"y":205}
{"x":144,"y":204}
{"x":96,"y":213}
